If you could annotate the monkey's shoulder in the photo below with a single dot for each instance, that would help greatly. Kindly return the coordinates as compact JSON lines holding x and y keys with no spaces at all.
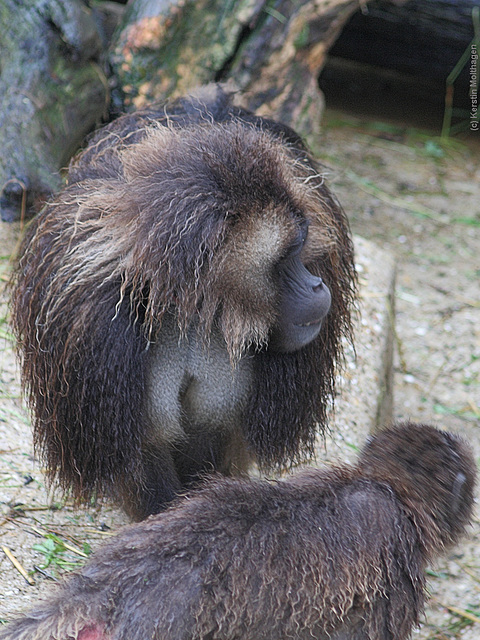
{"x":208,"y":106}
{"x":315,"y":501}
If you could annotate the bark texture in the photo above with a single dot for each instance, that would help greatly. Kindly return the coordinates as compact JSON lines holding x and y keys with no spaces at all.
{"x":272,"y":51}
{"x":52,"y":93}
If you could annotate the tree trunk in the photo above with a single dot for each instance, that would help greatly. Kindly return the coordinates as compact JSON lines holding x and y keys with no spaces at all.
{"x":52,"y":92}
{"x":273,"y":51}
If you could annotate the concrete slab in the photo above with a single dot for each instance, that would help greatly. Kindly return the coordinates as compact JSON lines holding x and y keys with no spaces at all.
{"x":364,"y":400}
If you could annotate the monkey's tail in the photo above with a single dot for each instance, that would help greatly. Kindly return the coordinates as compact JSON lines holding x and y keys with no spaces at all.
{"x":57,"y":620}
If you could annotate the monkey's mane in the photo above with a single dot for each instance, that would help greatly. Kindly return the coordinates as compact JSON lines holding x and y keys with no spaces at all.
{"x":145,"y":227}
{"x":433,"y":474}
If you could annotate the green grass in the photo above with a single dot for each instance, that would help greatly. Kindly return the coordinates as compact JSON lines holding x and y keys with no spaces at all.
{"x":60,"y":555}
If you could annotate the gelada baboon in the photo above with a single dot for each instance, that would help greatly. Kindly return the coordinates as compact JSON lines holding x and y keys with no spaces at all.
{"x":337,"y":554}
{"x":181,"y":302}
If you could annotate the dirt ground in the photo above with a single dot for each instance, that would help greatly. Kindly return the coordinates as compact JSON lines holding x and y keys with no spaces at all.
{"x":417,"y":198}
{"x":420,"y":200}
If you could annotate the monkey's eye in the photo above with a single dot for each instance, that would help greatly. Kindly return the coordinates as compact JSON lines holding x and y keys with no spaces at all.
{"x":297,"y":245}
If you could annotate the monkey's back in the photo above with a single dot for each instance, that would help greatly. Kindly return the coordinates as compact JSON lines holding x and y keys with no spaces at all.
{"x":248,"y":560}
{"x":337,"y":554}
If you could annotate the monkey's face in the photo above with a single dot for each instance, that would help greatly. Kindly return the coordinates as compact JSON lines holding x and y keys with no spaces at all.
{"x":238,"y":228}
{"x":303,"y":302}
{"x":271,"y":288}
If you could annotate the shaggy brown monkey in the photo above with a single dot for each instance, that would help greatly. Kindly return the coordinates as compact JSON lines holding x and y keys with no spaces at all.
{"x":337,"y":554}
{"x":181,"y":302}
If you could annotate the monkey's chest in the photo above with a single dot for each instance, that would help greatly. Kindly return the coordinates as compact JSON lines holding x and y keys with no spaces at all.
{"x":192,"y":386}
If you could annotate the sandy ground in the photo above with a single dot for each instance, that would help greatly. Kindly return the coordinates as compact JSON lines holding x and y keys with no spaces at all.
{"x":420,"y":201}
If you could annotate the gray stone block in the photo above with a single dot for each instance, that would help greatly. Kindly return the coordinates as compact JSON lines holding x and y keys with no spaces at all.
{"x":364,"y":399}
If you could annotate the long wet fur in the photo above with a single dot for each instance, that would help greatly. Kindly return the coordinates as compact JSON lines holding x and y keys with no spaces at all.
{"x":148,"y":225}
{"x":337,"y":554}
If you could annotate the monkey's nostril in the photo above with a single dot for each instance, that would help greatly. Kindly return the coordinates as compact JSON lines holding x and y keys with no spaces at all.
{"x":318,"y":286}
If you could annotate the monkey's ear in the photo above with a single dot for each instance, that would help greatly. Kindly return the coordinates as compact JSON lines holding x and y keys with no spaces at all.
{"x":458,"y":485}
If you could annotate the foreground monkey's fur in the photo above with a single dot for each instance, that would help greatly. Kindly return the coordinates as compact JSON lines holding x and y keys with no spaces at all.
{"x":337,"y":554}
{"x":166,"y":235}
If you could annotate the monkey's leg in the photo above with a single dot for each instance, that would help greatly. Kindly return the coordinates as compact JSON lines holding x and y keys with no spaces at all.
{"x":161,"y":485}
{"x":208,"y":451}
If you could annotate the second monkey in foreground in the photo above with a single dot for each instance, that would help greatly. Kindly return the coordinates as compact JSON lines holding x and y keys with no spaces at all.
{"x":180,"y":306}
{"x":330,"y":555}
